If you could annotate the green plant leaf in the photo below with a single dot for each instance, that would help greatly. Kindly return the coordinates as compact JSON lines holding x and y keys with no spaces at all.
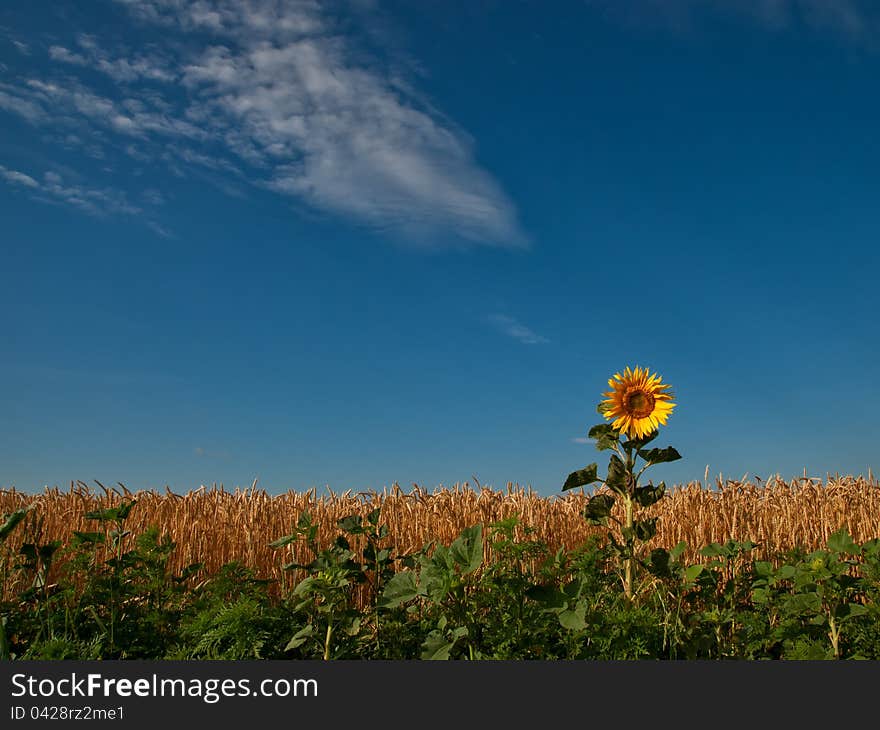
{"x":300,"y":637}
{"x":842,"y":542}
{"x":617,"y":476}
{"x":467,"y":549}
{"x":574,"y":619}
{"x":605,"y":435}
{"x":644,"y":530}
{"x":640,"y":443}
{"x":284,"y":541}
{"x":550,"y":597}
{"x":660,"y":456}
{"x":847,"y":611}
{"x":437,"y":646}
{"x":12,"y":520}
{"x":582,"y":477}
{"x":658,"y":563}
{"x":692,"y":572}
{"x":678,"y":550}
{"x":650,"y":494}
{"x":124,"y":509}
{"x":599,"y":508}
{"x":90,"y":538}
{"x":400,"y":589}
{"x":351,"y":524}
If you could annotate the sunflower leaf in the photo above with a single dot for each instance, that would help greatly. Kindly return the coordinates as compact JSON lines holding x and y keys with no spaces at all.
{"x":599,"y":508}
{"x":648,"y":495}
{"x":644,"y":530}
{"x":660,"y":456}
{"x":582,"y":477}
{"x":605,"y":434}
{"x":642,"y":442}
{"x":617,"y":476}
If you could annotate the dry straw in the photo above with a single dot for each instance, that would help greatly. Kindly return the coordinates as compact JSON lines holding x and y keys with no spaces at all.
{"x":216,"y":526}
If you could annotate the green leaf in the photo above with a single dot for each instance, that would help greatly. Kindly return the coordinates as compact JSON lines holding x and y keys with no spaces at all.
{"x":351,"y":524}
{"x":639,"y":443}
{"x":48,"y":550}
{"x":467,"y":549}
{"x":617,"y":476}
{"x":582,"y":477}
{"x":692,"y":572}
{"x":92,"y":538}
{"x":550,"y":597}
{"x":842,"y":542}
{"x":658,"y":563}
{"x":400,"y":589}
{"x":12,"y":520}
{"x":102,"y":515}
{"x":850,"y":610}
{"x":804,"y":603}
{"x":605,"y":435}
{"x":678,"y":550}
{"x":300,"y":637}
{"x":599,"y":508}
{"x":660,"y":456}
{"x":644,"y":530}
{"x":284,"y":541}
{"x":124,"y":509}
{"x":574,"y":619}
{"x":437,"y":646}
{"x":648,"y":495}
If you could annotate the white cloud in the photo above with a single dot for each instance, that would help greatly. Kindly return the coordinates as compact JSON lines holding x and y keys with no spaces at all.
{"x":120,"y":69}
{"x":12,"y":101}
{"x":580,"y":440}
{"x":518,"y":331}
{"x":278,"y":96}
{"x":100,"y":202}
{"x":18,"y":178}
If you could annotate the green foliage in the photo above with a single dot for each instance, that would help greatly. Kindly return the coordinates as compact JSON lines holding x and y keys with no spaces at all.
{"x":494,"y":592}
{"x":582,"y":477}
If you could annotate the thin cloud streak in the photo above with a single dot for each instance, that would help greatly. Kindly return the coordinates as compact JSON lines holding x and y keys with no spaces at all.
{"x":853,"y":20}
{"x":515,"y":329}
{"x":52,"y":188}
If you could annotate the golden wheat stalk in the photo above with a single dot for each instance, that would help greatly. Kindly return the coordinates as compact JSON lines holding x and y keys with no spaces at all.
{"x":215,"y":526}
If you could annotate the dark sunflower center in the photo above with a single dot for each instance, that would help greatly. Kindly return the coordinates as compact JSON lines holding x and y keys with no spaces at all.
{"x":638,"y":403}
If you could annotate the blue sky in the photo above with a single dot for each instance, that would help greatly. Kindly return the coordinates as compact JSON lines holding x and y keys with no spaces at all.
{"x":362,"y":243}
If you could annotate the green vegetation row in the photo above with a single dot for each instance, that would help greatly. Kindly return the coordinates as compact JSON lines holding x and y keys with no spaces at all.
{"x":109,"y":594}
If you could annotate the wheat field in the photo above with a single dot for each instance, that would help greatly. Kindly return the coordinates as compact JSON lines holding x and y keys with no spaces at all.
{"x":215,"y":526}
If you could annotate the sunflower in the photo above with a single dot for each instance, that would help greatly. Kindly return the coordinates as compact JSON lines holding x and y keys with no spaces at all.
{"x":638,"y":403}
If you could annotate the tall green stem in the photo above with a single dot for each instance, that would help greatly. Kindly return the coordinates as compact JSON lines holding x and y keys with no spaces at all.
{"x":328,"y":637}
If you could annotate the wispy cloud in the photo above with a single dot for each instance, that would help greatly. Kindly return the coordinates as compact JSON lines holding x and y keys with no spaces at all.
{"x":120,"y":69}
{"x":18,"y":178}
{"x":281,"y":97}
{"x":854,"y":20}
{"x":202,"y":452}
{"x":515,"y":329}
{"x":580,"y":440}
{"x":53,"y":188}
